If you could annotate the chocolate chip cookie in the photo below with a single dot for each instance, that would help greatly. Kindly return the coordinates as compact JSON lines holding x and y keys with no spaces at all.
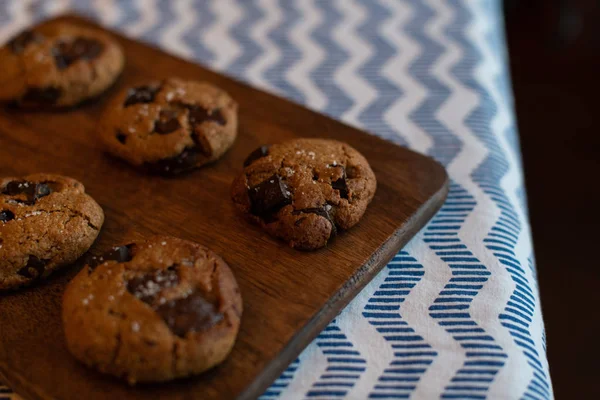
{"x":304,"y":190}
{"x":171,"y":126}
{"x":46,"y":222}
{"x":58,"y":65}
{"x":153,"y":311}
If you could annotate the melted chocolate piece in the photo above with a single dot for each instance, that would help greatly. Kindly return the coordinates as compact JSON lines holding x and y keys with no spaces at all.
{"x":187,"y":160}
{"x":43,"y":96}
{"x":261,"y":152}
{"x":341,"y":185}
{"x":269,"y":196}
{"x":119,"y":254}
{"x":167,"y":122}
{"x":32,"y":191}
{"x":141,"y":94}
{"x":66,"y":53}
{"x":6,"y":215}
{"x":190,"y":314}
{"x":198,"y":115}
{"x":34,"y":269}
{"x":121,"y":137}
{"x":147,"y":287}
{"x":22,"y":40}
{"x":322,"y":211}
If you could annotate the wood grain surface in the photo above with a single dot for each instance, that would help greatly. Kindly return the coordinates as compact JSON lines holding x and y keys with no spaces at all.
{"x":289,"y":296}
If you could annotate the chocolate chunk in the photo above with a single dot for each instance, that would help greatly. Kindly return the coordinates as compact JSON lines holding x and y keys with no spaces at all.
{"x":32,"y":191}
{"x":43,"y":96}
{"x":14,"y":188}
{"x":66,"y":53}
{"x":34,"y":268}
{"x":121,"y":137}
{"x":147,"y":287}
{"x":6,"y":215}
{"x":340,"y":184}
{"x":185,"y":161}
{"x":198,"y":115}
{"x":141,"y":94}
{"x":323,"y":212}
{"x":190,"y":314}
{"x":167,"y":122}
{"x":261,"y":152}
{"x":41,"y":190}
{"x":269,"y":196}
{"x":24,"y":39}
{"x":119,"y":254}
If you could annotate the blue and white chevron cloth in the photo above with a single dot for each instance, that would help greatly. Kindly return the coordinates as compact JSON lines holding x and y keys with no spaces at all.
{"x":456,"y":314}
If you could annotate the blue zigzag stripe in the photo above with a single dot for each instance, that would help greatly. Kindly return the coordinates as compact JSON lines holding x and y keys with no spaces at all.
{"x":276,"y":75}
{"x":446,"y":145}
{"x":502,"y":238}
{"x":5,"y":15}
{"x":338,"y":101}
{"x":205,"y":18}
{"x":412,"y":354}
{"x":165,"y":17}
{"x":484,"y":357}
{"x":37,"y":10}
{"x":282,"y":382}
{"x":344,"y":364}
{"x":387,"y":92}
{"x":522,"y":196}
{"x":129,"y":13}
{"x":241,"y":33}
{"x":498,"y":47}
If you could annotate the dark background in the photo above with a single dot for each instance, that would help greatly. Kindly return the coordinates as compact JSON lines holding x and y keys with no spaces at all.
{"x":554,"y":49}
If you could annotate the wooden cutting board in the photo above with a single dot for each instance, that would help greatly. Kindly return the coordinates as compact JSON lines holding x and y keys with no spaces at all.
{"x":289,"y":296}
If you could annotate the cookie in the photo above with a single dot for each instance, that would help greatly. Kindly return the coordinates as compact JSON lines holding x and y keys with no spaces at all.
{"x":46,"y":222}
{"x":171,"y":126}
{"x":304,"y":190}
{"x":154,"y":311}
{"x":58,"y":65}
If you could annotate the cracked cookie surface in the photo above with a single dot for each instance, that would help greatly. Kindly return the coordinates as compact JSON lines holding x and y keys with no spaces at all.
{"x":46,"y":222}
{"x":303,"y":190}
{"x":153,"y":311}
{"x":171,"y":126}
{"x":58,"y":65}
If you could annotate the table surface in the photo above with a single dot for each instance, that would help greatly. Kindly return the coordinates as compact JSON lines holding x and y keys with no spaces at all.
{"x":456,"y":314}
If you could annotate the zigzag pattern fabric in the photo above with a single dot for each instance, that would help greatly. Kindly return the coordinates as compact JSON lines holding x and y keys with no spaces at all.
{"x":456,"y":314}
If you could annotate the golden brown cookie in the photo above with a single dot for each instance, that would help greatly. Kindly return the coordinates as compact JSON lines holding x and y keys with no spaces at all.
{"x":46,"y":222}
{"x":153,"y":311}
{"x":58,"y":65}
{"x":171,"y":126}
{"x":303,"y":190}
